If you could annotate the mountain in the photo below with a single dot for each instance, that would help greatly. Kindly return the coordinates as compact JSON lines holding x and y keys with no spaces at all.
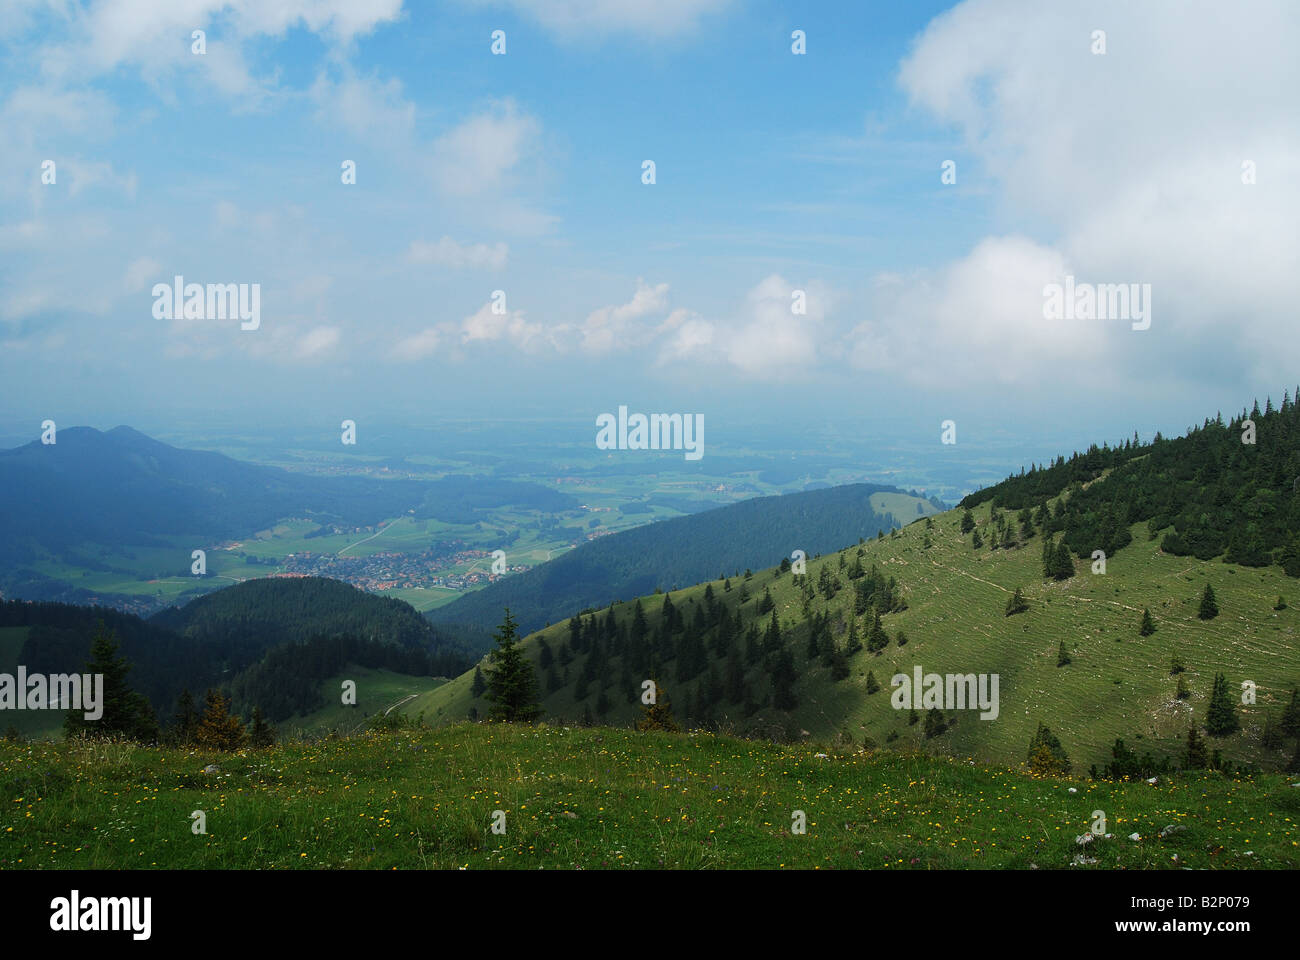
{"x":268,"y":641}
{"x":774,"y":655}
{"x":93,"y":499}
{"x":684,"y":550}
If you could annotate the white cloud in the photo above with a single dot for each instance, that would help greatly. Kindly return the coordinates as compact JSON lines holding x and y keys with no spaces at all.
{"x":484,"y":325}
{"x":316,"y":342}
{"x":575,"y":19}
{"x":479,"y":155}
{"x":1131,"y":162}
{"x":616,"y":327}
{"x":418,"y":346}
{"x":367,"y":107}
{"x":771,"y":341}
{"x":448,"y":253}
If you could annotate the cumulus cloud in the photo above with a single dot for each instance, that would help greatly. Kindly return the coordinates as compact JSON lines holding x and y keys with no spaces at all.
{"x":479,"y":155}
{"x":611,"y":328}
{"x":1131,"y":162}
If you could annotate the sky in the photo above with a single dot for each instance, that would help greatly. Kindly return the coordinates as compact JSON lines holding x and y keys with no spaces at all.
{"x":1168,"y":157}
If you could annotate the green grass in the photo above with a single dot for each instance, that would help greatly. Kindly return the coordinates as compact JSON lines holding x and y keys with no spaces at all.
{"x":602,"y":798}
{"x":377,"y":691}
{"x":1118,"y":684}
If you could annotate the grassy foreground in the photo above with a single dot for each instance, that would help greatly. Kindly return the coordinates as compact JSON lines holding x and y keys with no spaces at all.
{"x":608,"y":798}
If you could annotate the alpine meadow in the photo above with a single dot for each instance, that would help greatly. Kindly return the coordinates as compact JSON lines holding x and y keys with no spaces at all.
{"x":717,"y":435}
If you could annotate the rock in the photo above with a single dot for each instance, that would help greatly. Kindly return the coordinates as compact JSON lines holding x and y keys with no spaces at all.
{"x":1084,"y":839}
{"x":211,"y":768}
{"x":1081,"y":861}
{"x":1135,"y":837}
{"x":1171,"y":829}
{"x":1074,"y":790}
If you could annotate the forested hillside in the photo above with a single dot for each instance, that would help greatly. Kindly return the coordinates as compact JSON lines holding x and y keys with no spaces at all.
{"x":684,"y":550}
{"x":1162,"y":653}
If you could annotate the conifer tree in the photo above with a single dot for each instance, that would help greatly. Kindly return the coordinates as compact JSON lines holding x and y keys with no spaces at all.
{"x":1281,"y":604}
{"x":1016,"y":603}
{"x":901,"y":638}
{"x":976,"y":541}
{"x":1148,"y":625}
{"x":1176,"y":665}
{"x":125,"y":713}
{"x":658,"y":715}
{"x":219,"y":729}
{"x":1062,"y":562}
{"x":872,"y":684}
{"x":1209,"y":606}
{"x":1183,"y":693}
{"x":1046,"y":755}
{"x":1062,"y":655}
{"x":478,"y":685}
{"x":967,"y":522}
{"x":186,"y":719}
{"x":1221,"y":714}
{"x":512,"y":685}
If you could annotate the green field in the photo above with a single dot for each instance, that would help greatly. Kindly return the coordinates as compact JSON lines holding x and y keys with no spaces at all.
{"x":601,"y":798}
{"x":1117,"y":685}
{"x":377,"y":691}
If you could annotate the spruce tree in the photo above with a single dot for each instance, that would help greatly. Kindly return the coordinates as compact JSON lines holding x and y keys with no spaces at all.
{"x":658,"y":715}
{"x":1046,"y":755}
{"x":976,"y":541}
{"x":1209,"y":606}
{"x":185,"y":720}
{"x":1062,"y":655}
{"x":1183,"y":693}
{"x":967,"y":522}
{"x":1221,"y":714}
{"x":125,"y":713}
{"x":872,"y":684}
{"x":219,"y":729}
{"x":1176,"y":665}
{"x":1062,"y":562}
{"x":1148,"y":625}
{"x":478,"y":685}
{"x":1016,"y":603}
{"x":1281,"y":604}
{"x":512,"y":686}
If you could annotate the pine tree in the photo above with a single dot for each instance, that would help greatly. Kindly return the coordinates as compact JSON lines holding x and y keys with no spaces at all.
{"x":1176,"y":665}
{"x":1221,"y":714}
{"x":1196,"y":757}
{"x":967,"y":522}
{"x":1183,"y":693}
{"x":658,"y":715}
{"x":1062,"y":656}
{"x":1016,"y":603}
{"x":1062,"y":562}
{"x":1148,"y":625}
{"x":1281,"y":604}
{"x":901,"y":638}
{"x":1209,"y":606}
{"x":877,"y":639}
{"x":852,"y":643}
{"x":125,"y":713}
{"x":219,"y":729}
{"x":976,"y":541}
{"x":512,"y":686}
{"x":262,"y":734}
{"x":872,"y":684}
{"x":478,"y":685}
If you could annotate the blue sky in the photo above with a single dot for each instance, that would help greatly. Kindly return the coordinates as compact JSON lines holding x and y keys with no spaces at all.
{"x":774,"y":173}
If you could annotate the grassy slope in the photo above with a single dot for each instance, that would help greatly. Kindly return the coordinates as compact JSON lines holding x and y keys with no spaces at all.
{"x":605,"y":798}
{"x":1117,"y":686}
{"x":377,"y":690}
